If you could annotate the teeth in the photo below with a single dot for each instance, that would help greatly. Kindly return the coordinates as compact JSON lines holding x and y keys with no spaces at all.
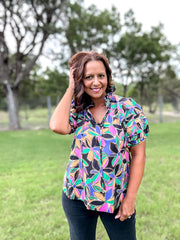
{"x":95,"y":89}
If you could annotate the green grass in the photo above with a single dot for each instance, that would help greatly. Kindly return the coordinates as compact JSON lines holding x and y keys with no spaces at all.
{"x":158,"y":200}
{"x":38,"y":118}
{"x":32,"y":165}
{"x":29,"y":118}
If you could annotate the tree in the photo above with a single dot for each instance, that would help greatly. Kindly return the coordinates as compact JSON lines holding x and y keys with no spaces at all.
{"x":143,"y":58}
{"x":25,"y":28}
{"x":91,"y":28}
{"x":124,"y":49}
{"x":36,"y":87}
{"x":52,"y":83}
{"x":171,"y":87}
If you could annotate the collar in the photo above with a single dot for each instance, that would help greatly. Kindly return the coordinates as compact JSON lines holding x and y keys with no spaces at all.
{"x":110,"y":97}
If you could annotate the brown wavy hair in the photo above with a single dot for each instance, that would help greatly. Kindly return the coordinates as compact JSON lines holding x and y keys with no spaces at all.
{"x":78,"y":62}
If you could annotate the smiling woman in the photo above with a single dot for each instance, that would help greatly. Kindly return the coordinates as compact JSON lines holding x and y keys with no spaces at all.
{"x":107,"y":157}
{"x":95,"y":85}
{"x":89,"y":66}
{"x":95,"y":81}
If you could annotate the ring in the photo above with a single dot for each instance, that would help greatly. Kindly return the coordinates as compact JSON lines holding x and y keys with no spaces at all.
{"x":129,"y":217}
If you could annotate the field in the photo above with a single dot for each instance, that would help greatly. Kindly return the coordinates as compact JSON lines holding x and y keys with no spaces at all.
{"x":32,"y":165}
{"x":38,"y":118}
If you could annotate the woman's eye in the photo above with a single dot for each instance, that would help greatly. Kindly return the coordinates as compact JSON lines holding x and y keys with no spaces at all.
{"x":88,"y":77}
{"x":101,"y":75}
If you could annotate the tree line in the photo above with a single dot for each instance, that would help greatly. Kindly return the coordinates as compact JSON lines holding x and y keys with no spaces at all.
{"x":143,"y":63}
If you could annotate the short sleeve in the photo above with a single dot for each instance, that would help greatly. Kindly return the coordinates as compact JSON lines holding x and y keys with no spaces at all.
{"x":136,"y":124}
{"x":73,"y":117}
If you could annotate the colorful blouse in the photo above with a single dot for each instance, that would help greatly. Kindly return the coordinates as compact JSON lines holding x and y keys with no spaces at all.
{"x":98,"y":168}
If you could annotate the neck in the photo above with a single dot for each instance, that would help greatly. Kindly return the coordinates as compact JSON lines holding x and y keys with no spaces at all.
{"x":99,"y":102}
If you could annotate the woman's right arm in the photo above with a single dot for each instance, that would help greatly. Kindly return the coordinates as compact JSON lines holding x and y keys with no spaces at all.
{"x":59,"y":121}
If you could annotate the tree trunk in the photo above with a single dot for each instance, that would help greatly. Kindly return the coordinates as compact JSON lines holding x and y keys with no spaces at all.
{"x":49,"y":108}
{"x":161,"y":109}
{"x":13,"y":108}
{"x":124,"y":90}
{"x":141,"y":93}
{"x":151,"y":109}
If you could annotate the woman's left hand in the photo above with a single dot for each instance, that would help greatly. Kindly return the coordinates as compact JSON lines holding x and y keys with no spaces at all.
{"x":126,"y":209}
{"x":127,"y":206}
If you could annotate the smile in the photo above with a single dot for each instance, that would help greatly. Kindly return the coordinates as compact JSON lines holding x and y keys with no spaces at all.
{"x":95,"y":89}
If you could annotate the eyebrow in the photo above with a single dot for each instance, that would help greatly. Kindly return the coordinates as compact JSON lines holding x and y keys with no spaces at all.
{"x":93,"y":73}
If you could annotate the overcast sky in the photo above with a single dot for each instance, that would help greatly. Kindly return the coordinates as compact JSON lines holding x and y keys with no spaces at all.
{"x":149,"y":13}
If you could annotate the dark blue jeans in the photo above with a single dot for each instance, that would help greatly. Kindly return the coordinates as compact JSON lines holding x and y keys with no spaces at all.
{"x":82,"y":222}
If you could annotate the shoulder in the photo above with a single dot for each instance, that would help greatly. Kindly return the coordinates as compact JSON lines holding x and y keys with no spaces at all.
{"x":128,"y":102}
{"x":125,"y":103}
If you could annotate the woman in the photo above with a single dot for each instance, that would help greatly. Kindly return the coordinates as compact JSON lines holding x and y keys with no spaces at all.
{"x":107,"y":157}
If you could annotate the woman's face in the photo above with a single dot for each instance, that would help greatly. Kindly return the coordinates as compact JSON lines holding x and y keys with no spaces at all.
{"x":95,"y":80}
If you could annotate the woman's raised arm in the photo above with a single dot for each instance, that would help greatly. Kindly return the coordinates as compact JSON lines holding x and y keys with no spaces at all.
{"x":59,"y":121}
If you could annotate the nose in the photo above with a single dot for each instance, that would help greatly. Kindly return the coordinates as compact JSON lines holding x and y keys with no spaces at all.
{"x":96,"y":81}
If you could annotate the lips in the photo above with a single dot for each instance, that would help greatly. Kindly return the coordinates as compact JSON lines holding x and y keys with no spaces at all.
{"x":95,"y":89}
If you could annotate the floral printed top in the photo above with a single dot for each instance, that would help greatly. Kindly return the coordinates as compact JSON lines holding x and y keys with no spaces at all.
{"x":98,"y":168}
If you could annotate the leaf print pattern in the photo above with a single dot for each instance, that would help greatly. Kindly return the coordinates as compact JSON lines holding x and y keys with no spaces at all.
{"x":98,"y":168}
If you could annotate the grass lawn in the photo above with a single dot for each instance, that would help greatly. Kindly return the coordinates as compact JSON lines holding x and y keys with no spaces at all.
{"x":38,"y":118}
{"x":32,"y":165}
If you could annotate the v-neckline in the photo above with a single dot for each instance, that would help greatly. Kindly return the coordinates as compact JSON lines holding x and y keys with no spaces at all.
{"x":102,"y":119}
